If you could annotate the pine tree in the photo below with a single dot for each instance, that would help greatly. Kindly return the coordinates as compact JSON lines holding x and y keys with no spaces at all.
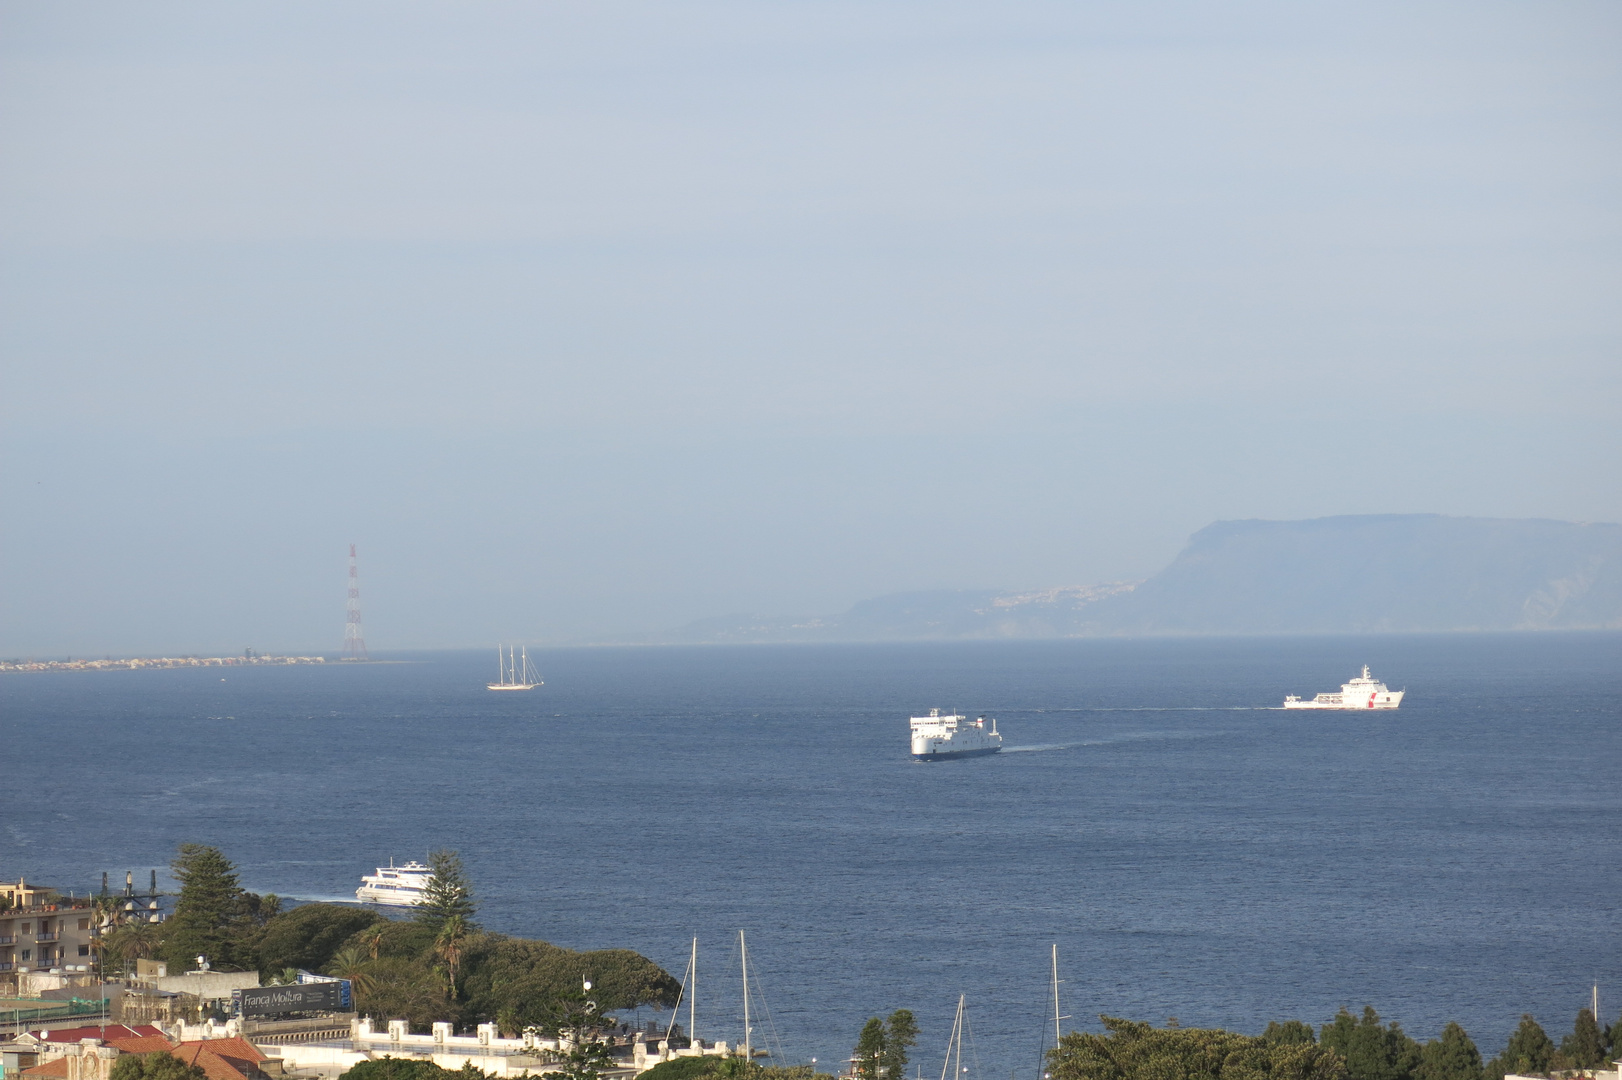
{"x":1289,"y":1033}
{"x":900,"y":1033}
{"x":1529,"y":1049}
{"x":1452,"y":1057}
{"x":1372,"y":1052}
{"x":447,"y":893}
{"x":210,"y":898}
{"x":870,"y":1051}
{"x":1584,"y":1048}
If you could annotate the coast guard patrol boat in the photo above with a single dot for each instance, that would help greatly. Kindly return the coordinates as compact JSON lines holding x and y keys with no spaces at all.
{"x":1361,"y":693}
{"x":395,"y":886}
{"x":936,"y":737}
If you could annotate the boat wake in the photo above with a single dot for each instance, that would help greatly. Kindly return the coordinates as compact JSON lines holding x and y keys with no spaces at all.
{"x":1041,"y":747}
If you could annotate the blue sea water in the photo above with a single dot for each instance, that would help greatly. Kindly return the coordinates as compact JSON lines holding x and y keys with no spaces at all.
{"x":1191,"y":849}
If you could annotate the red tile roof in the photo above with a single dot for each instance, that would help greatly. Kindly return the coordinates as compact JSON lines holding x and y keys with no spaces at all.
{"x":112,"y":1031}
{"x":145,"y":1044}
{"x":58,"y":1067}
{"x":222,"y":1059}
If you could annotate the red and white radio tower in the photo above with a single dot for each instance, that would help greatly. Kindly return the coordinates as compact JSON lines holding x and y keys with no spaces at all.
{"x":354,"y":640}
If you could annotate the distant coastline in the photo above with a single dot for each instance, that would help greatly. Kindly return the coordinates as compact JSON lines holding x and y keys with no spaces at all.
{"x":140,"y":662}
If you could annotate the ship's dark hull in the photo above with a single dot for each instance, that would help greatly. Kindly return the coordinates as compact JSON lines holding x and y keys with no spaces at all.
{"x":954,"y":755}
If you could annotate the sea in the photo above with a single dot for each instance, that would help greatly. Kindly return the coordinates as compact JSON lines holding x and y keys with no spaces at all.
{"x":1196,"y":854}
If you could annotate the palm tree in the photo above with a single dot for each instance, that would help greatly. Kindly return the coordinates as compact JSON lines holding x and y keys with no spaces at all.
{"x":449,"y":944}
{"x":350,"y":963}
{"x":131,"y":941}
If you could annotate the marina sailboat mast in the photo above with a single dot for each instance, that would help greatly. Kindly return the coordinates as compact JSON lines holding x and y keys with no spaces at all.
{"x":1042,"y":1062}
{"x":689,"y":991}
{"x":743,"y":954}
{"x":1056,"y":1035}
{"x":953,"y":1064}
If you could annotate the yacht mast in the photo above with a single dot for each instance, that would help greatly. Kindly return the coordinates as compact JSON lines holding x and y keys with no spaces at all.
{"x":743,"y":953}
{"x":692,"y":997}
{"x":957,"y":1072}
{"x":955,"y":1043}
{"x":1055,"y":996}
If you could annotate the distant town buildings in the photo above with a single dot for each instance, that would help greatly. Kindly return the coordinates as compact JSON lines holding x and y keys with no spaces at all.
{"x":248,"y":659}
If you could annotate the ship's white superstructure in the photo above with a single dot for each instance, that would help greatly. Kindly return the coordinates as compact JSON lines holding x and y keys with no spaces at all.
{"x":395,"y":886}
{"x":1362,"y":692}
{"x":515,"y":672}
{"x":936,"y":737}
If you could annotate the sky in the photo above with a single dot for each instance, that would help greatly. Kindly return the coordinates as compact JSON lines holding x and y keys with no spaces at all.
{"x":585,"y":320}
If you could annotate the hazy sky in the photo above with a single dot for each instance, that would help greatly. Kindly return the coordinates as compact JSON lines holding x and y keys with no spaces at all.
{"x":594,"y":318}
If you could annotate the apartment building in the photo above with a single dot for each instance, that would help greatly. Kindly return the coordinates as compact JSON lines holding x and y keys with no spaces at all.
{"x":39,"y":931}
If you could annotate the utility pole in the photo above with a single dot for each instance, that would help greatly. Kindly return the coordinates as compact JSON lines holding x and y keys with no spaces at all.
{"x":354,"y":640}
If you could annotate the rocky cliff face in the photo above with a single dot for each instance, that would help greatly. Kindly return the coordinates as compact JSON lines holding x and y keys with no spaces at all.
{"x":1361,"y":574}
{"x":1408,"y":572}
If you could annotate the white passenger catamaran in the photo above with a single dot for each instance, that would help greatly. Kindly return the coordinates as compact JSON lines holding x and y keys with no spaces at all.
{"x":514,"y":672}
{"x":1362,"y":692}
{"x":938,"y":738}
{"x":395,"y":886}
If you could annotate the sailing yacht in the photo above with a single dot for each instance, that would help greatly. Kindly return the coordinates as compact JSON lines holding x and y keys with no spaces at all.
{"x":513,"y":670}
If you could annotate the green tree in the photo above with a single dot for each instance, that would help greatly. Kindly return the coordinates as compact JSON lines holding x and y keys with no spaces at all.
{"x":1530,"y":1050}
{"x":881,"y":1048}
{"x":900,"y":1035}
{"x":405,"y":989}
{"x":682,"y":1068}
{"x":447,"y":894}
{"x":449,"y":944}
{"x":155,"y":1066}
{"x":1136,"y":1051}
{"x":351,"y":962}
{"x":1372,"y":1052}
{"x":210,"y":900}
{"x":588,"y":1058}
{"x":1452,"y":1057}
{"x":1289,"y":1033}
{"x":392,"y":1068}
{"x":310,"y":936}
{"x":868,"y":1057}
{"x":1584,"y":1048}
{"x":528,"y":984}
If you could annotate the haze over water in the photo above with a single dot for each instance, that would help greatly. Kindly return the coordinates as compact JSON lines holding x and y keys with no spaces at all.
{"x":1193,"y":851}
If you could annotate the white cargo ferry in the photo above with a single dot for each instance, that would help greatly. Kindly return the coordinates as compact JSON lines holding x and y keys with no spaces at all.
{"x":1361,"y":693}
{"x":936,"y":737}
{"x":395,"y":886}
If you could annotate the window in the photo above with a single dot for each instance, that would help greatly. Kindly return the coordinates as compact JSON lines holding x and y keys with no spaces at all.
{"x":84,"y":924}
{"x":27,"y":953}
{"x":28,"y":928}
{"x":84,"y":950}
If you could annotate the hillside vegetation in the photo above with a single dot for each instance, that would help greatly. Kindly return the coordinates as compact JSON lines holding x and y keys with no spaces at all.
{"x":436,"y":965}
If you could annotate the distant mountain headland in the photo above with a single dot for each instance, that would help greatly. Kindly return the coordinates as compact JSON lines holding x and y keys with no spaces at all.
{"x":1380,"y":573}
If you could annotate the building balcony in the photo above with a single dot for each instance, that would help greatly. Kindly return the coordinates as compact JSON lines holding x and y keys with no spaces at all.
{"x":8,"y":939}
{"x":6,"y":965}
{"x":47,"y":937}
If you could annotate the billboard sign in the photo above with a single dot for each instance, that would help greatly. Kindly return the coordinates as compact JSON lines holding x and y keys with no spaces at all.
{"x":297,"y":998}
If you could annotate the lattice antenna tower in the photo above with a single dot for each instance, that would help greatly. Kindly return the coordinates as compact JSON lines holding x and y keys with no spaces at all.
{"x":354,"y":640}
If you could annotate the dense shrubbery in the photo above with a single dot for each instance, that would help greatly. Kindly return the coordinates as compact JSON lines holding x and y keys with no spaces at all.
{"x":1135,"y":1051}
{"x":1347,"y":1048}
{"x":390,"y":1068}
{"x":436,"y":966}
{"x":155,"y":1066}
{"x":310,"y":936}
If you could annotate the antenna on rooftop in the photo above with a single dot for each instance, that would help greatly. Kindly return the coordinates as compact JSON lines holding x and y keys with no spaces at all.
{"x":354,"y":640}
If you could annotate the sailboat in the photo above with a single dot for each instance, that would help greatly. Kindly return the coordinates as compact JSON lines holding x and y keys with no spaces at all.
{"x":513,"y":670}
